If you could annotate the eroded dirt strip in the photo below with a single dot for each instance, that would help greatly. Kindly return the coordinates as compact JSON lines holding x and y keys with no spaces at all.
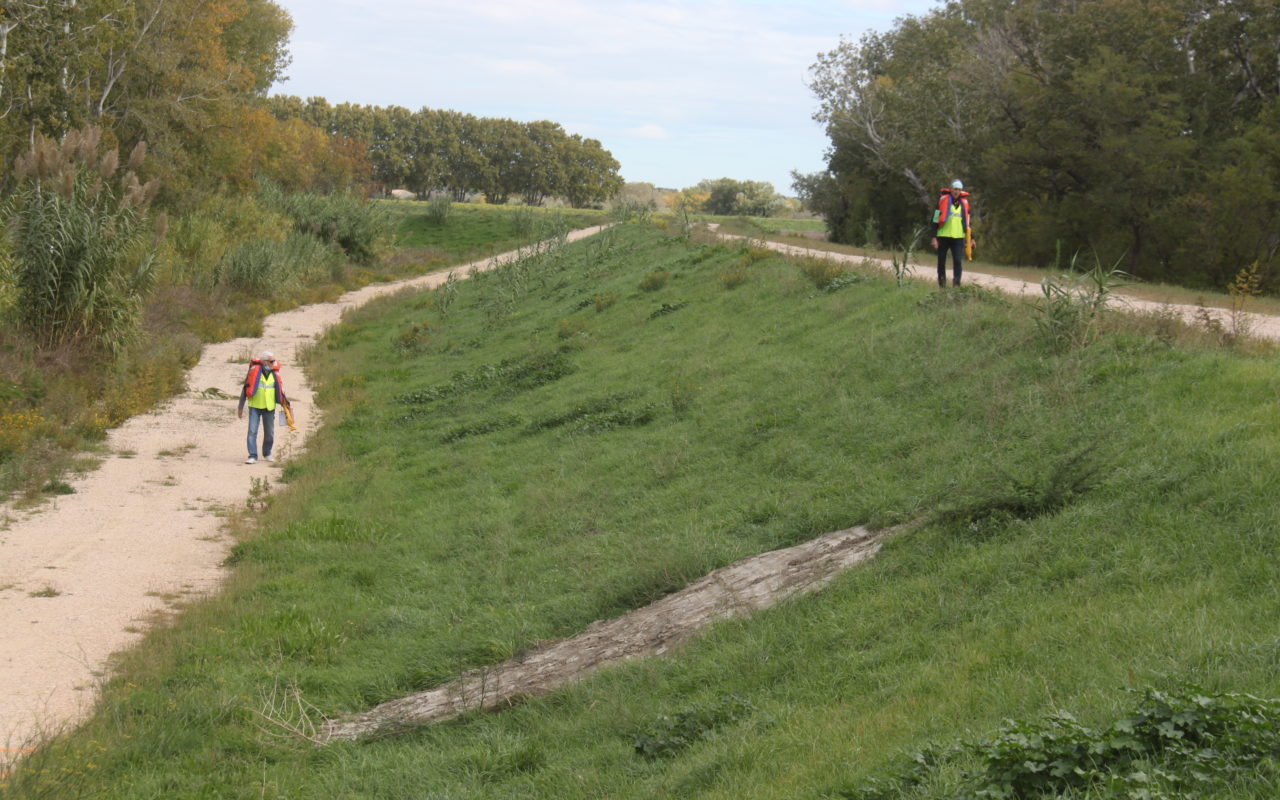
{"x":1262,"y":326}
{"x":81,"y":579}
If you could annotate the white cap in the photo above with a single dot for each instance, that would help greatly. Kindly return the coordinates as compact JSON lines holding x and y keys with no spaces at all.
{"x":267,"y":355}
{"x":956,"y":184}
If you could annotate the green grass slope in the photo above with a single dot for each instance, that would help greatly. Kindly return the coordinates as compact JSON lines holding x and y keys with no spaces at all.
{"x":510,"y":458}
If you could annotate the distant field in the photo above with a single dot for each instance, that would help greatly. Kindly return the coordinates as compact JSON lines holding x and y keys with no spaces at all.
{"x":509,"y":458}
{"x":478,"y":229}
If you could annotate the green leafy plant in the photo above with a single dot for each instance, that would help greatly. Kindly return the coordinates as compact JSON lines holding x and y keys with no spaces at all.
{"x":1071,"y":304}
{"x":901,"y":257}
{"x":667,"y":736}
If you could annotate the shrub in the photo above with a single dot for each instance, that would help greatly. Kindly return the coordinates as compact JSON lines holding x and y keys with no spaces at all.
{"x":654,"y":281}
{"x":821,"y":272}
{"x":603,"y":301}
{"x":438,"y":209}
{"x":734,"y":277}
{"x":571,"y":327}
{"x":352,"y":223}
{"x":84,"y":252}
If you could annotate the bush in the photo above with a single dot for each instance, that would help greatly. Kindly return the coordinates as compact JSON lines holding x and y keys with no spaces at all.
{"x":352,"y":223}
{"x":821,"y":272}
{"x":654,"y":281}
{"x":438,"y":209}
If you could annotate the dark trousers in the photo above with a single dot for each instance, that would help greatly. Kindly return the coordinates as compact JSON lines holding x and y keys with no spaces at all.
{"x":956,"y":246}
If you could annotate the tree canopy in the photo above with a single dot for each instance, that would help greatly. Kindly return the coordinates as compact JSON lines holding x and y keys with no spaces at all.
{"x":1133,"y":129}
{"x":449,"y":151}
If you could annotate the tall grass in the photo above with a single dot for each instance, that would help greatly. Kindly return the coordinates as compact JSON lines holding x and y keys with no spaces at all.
{"x":1093,"y":519}
{"x":83,"y":248}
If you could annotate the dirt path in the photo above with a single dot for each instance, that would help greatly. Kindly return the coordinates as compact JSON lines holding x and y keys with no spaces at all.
{"x":82,"y":579}
{"x":1262,"y":326}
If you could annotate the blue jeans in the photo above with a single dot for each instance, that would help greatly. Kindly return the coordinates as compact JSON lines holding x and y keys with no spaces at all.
{"x":268,"y":419}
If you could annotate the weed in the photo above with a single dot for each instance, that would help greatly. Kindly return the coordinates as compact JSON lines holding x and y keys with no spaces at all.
{"x":603,"y":301}
{"x":902,"y":255}
{"x":446,"y":294}
{"x":1067,"y":314}
{"x":259,"y":499}
{"x":681,"y":394}
{"x":412,"y":339}
{"x":572,"y":327}
{"x":843,"y":281}
{"x":588,"y":408}
{"x":501,"y":422}
{"x":667,"y":736}
{"x":734,"y":277}
{"x":821,"y":272}
{"x":1028,"y":496}
{"x":58,"y":487}
{"x":47,"y":591}
{"x":655,"y":281}
{"x":1246,"y":284}
{"x":516,"y":374}
{"x":438,"y":209}
{"x":665,"y":309}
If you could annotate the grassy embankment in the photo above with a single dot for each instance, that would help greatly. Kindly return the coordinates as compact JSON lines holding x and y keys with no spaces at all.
{"x":56,"y":404}
{"x":510,"y":458}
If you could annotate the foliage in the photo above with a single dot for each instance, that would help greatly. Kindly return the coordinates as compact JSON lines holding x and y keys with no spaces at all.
{"x":1174,"y":744}
{"x":1109,"y":124}
{"x":438,"y":209}
{"x":822,"y":272}
{"x":1071,"y":305}
{"x":727,"y":196}
{"x":669,"y":735}
{"x":461,"y":154}
{"x":84,"y":251}
{"x":360,"y":228}
{"x":654,"y":281}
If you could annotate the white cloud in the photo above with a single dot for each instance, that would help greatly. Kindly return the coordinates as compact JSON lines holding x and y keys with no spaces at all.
{"x":650,"y":131}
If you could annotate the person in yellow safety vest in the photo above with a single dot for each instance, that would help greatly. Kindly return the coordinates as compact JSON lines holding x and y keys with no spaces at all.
{"x":262,"y":392}
{"x":952,"y":218}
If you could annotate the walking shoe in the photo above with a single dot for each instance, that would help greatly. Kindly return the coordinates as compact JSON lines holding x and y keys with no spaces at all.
{"x":251,"y":460}
{"x":268,"y":458}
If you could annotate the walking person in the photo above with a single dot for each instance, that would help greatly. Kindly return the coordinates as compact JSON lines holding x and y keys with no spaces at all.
{"x":262,"y":392}
{"x":952,"y":219}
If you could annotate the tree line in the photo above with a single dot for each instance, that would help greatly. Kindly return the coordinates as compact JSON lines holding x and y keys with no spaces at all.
{"x":461,"y":154}
{"x":1139,"y":132}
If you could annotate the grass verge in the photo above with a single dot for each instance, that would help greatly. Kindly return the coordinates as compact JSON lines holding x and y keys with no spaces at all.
{"x":1098,"y":518}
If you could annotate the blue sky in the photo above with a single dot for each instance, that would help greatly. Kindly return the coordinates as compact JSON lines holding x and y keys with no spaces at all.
{"x":677,"y":90}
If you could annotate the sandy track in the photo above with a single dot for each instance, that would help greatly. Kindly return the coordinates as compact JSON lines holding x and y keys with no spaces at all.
{"x":82,"y":578}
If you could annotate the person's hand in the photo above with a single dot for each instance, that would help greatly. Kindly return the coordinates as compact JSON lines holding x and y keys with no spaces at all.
{"x":239,"y":413}
{"x":934,"y":243}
